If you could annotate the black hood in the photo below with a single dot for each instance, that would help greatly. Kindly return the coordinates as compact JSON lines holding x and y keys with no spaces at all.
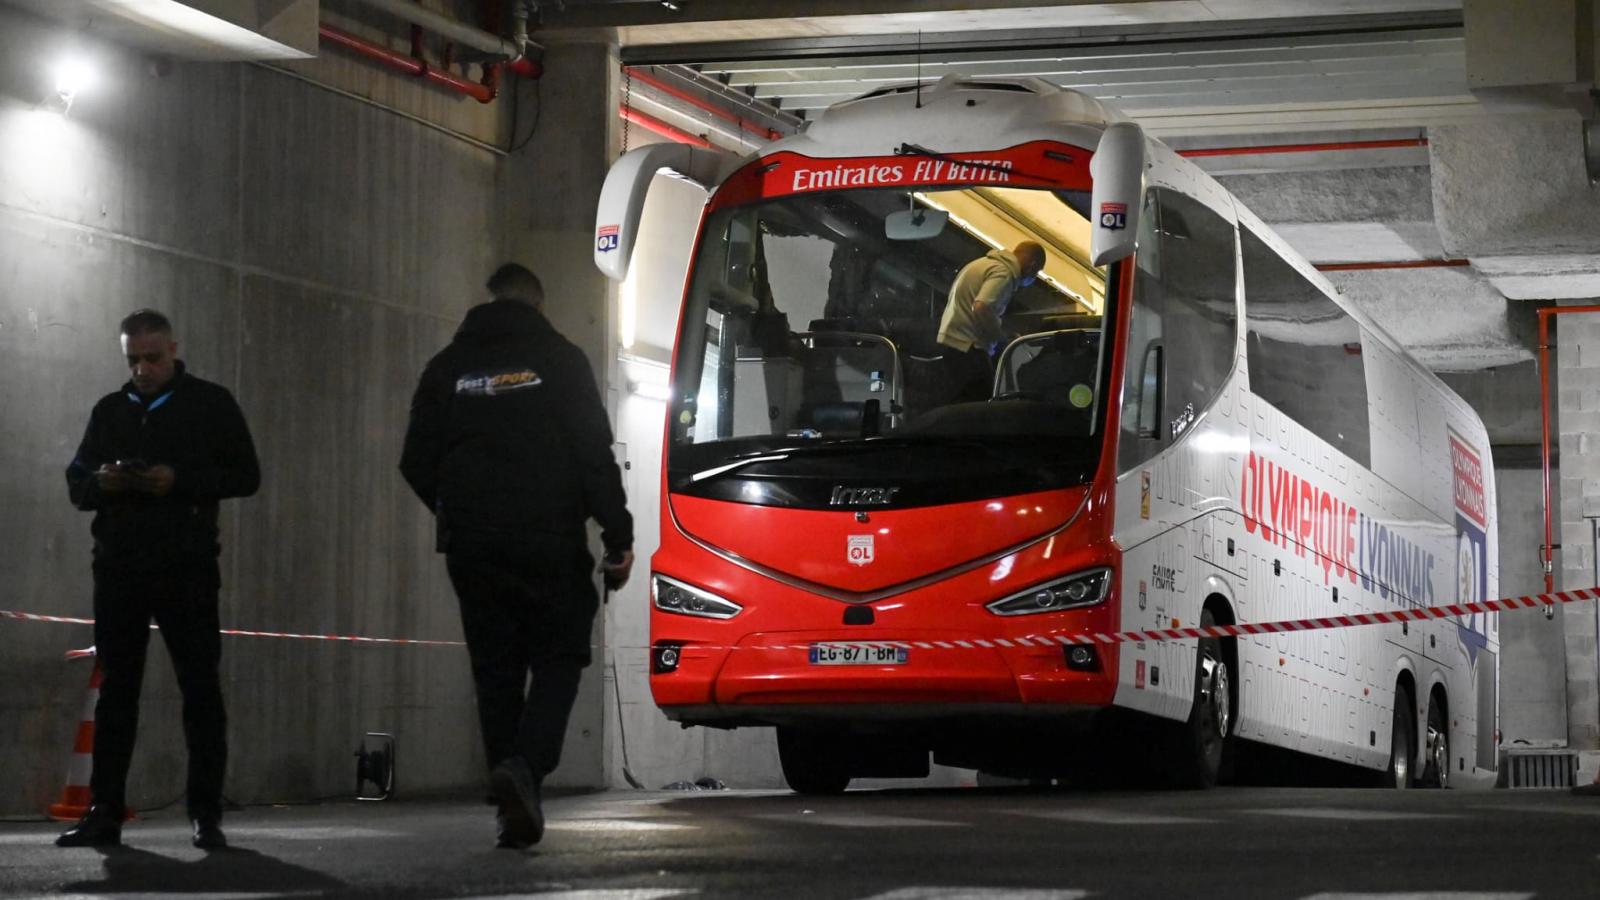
{"x":500,"y":320}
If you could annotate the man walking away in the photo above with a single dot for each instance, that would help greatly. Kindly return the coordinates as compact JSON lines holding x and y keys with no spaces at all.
{"x":157,"y":457}
{"x":510,"y":447}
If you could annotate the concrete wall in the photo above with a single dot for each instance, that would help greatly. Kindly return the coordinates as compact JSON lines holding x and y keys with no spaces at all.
{"x":313,"y":251}
{"x":1577,"y":371}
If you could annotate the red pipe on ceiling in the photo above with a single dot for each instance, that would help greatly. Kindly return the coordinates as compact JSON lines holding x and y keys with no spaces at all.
{"x":524,"y":66}
{"x":1325,"y":147}
{"x":708,"y":106}
{"x":1392,"y":264}
{"x":410,"y":65}
{"x":651,"y":123}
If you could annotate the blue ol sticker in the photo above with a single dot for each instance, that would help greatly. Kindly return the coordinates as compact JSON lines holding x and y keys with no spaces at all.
{"x":1114,"y":216}
{"x":605,"y":238}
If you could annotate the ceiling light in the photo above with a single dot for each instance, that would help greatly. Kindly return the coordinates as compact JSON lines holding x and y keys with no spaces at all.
{"x":673,"y":5}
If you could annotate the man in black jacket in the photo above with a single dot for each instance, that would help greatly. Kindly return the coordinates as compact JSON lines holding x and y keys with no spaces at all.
{"x":157,"y":457}
{"x":510,"y":447}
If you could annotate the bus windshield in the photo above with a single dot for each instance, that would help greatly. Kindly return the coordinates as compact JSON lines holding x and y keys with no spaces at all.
{"x":845,"y":336}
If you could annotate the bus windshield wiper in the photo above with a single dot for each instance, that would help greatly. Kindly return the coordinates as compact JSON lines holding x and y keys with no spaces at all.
{"x":914,"y":150}
{"x":839,"y":448}
{"x":739,"y":462}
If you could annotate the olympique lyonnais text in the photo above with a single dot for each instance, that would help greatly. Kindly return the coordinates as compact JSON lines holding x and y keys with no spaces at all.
{"x":1468,"y":481}
{"x":1293,"y":511}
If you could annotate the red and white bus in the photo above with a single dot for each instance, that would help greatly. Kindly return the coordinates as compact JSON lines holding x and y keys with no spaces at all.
{"x":1187,"y":426}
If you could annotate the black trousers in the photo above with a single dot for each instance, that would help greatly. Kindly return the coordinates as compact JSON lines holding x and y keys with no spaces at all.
{"x":184,"y":603}
{"x":967,"y":376}
{"x":526,"y":612}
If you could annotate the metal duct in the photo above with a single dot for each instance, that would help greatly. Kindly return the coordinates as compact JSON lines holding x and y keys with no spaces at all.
{"x":496,"y":46}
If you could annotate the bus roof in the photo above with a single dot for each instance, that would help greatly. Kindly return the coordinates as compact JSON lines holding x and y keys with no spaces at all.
{"x":994,"y":113}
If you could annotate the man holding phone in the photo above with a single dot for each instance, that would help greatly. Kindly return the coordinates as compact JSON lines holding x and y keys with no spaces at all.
{"x":155,"y":461}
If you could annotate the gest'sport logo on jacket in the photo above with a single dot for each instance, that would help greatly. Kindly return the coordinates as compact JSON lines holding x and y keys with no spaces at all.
{"x":491,"y":384}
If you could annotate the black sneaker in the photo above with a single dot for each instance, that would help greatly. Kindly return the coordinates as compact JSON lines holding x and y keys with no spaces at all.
{"x":208,"y":834}
{"x":101,"y":826}
{"x":521,"y":820}
{"x":503,"y":839}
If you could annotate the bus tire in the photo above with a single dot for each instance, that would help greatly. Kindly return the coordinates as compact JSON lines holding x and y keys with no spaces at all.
{"x":811,"y":763}
{"x":1198,"y":757}
{"x":1436,"y":761}
{"x":1398,"y":775}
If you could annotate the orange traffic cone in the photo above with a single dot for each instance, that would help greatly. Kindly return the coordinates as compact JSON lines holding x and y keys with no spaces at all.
{"x":75,"y":797}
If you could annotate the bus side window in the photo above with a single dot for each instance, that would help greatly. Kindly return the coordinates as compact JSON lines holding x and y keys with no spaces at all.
{"x":1150,"y":382}
{"x":1305,"y":352}
{"x":1184,"y":286}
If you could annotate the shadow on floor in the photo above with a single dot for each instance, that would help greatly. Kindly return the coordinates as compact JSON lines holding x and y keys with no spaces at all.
{"x":234,"y":870}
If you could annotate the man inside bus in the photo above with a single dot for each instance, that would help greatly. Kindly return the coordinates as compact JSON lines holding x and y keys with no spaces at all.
{"x":970,"y":331}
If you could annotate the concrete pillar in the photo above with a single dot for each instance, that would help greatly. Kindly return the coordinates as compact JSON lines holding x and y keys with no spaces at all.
{"x":548,"y":192}
{"x":1577,"y":369}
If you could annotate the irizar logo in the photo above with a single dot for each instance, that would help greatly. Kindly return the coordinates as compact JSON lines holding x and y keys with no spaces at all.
{"x":862,"y":496}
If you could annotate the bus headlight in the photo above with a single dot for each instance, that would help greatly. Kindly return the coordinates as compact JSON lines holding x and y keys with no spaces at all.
{"x":670,"y":595}
{"x":1077,"y":590}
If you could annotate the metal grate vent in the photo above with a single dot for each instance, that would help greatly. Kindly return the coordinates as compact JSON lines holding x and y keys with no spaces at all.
{"x":1557,"y":769}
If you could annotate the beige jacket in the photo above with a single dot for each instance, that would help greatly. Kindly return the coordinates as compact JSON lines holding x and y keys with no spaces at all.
{"x":978,"y":298}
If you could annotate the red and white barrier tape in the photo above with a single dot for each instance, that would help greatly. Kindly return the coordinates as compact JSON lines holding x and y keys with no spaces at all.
{"x":1257,"y":628}
{"x":240,"y":632}
{"x":1390,"y":617}
{"x":1315,"y":624}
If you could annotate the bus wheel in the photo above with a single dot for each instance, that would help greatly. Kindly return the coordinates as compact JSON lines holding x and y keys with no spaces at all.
{"x":811,"y":762}
{"x":1399,"y":774}
{"x":1436,"y":765}
{"x":1200,"y":742}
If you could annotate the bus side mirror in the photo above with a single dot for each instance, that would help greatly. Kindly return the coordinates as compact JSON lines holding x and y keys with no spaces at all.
{"x":1117,"y":168}
{"x":616,"y":219}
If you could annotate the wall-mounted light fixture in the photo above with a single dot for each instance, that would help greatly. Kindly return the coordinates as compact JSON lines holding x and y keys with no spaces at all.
{"x":72,"y":75}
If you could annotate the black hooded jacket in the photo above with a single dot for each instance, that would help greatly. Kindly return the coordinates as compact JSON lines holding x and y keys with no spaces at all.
{"x":508,"y":438}
{"x":195,"y":427}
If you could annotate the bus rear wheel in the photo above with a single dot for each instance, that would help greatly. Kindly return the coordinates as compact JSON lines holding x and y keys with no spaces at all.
{"x":1398,"y":775}
{"x":1436,"y":765}
{"x":811,"y":762}
{"x":1200,"y":741}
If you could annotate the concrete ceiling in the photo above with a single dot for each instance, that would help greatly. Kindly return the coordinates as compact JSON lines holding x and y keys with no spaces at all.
{"x":203,"y":30}
{"x":823,"y":23}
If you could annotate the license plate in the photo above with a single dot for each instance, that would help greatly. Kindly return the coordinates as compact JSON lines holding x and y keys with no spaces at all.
{"x":857,"y":655}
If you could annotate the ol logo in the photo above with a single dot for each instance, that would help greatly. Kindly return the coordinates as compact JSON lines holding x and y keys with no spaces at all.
{"x":1114,"y":216}
{"x":606,"y":238}
{"x":858,"y":550}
